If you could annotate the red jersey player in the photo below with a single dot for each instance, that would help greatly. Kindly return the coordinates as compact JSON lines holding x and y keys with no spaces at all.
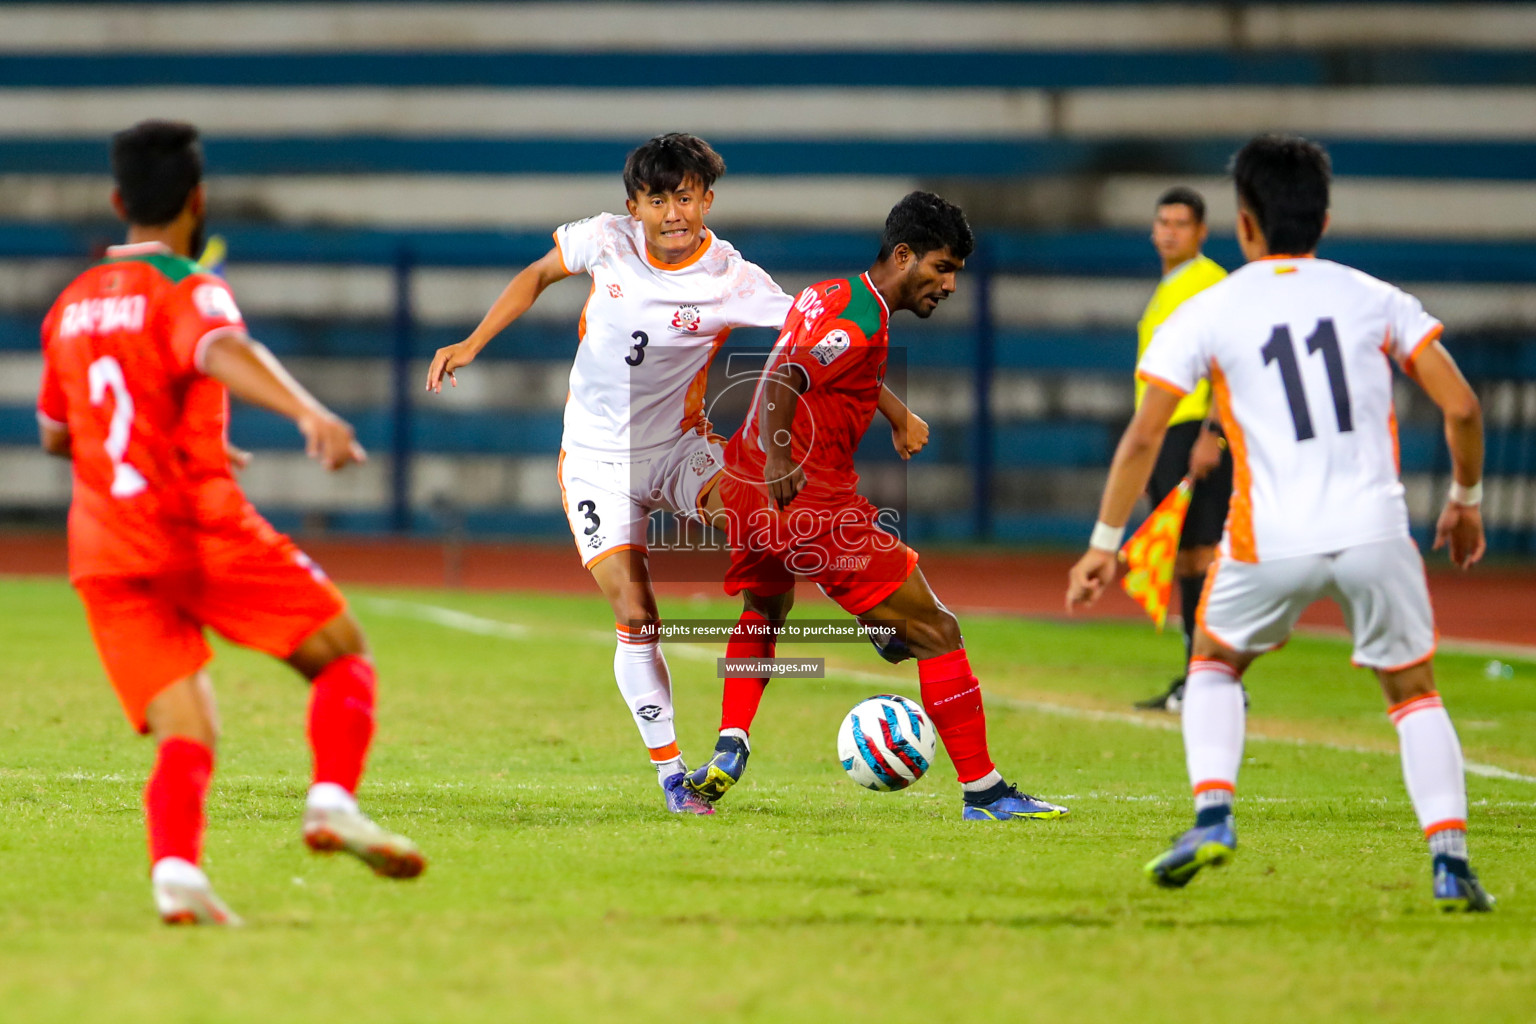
{"x":789,"y":503}
{"x":140,"y":354}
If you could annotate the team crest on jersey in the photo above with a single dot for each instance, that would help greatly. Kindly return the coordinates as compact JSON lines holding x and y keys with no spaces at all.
{"x":832,"y":345}
{"x":700,"y":462}
{"x":215,"y":302}
{"x":686,"y":320}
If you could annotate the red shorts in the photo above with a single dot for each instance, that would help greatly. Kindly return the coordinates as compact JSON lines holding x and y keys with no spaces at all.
{"x":266,"y":595}
{"x":841,"y":549}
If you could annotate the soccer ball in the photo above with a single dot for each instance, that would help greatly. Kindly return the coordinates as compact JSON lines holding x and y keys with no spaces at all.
{"x":886,"y":743}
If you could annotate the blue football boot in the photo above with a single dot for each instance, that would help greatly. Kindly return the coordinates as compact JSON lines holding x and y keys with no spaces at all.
{"x":1204,"y":845}
{"x":1457,"y":888}
{"x":723,"y":770}
{"x":679,"y":800}
{"x":1004,"y":802}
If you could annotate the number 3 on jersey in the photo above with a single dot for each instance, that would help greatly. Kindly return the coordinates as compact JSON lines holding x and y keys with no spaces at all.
{"x":637,"y":357}
{"x":106,"y":374}
{"x":1280,"y":349}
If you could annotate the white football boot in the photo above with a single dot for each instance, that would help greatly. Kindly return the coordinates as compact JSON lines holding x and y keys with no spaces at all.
{"x":331,"y":829}
{"x":184,"y":896}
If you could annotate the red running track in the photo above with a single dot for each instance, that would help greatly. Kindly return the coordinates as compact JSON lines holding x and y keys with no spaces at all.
{"x":1492,"y":604}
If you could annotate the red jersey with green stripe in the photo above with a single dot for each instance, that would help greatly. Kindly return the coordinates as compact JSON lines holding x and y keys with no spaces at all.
{"x":835,"y":332}
{"x":122,"y":355}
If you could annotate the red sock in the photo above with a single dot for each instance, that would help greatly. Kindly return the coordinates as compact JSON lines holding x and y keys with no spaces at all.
{"x":952,"y":698}
{"x":173,"y":799}
{"x":341,"y":720}
{"x":744,"y":693}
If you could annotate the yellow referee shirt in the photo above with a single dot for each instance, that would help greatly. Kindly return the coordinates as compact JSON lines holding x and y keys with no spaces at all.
{"x":1178,"y":284}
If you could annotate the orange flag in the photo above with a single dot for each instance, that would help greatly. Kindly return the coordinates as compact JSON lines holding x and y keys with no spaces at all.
{"x":1149,"y":554}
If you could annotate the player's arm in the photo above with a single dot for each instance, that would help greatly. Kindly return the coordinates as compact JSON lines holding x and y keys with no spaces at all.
{"x":54,"y":438}
{"x":782,"y":388}
{"x":1461,"y":522}
{"x":515,"y":300}
{"x":252,"y":374}
{"x":909,"y":431}
{"x":1128,"y":476}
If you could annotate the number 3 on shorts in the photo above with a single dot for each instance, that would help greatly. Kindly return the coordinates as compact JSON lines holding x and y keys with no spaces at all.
{"x":589,"y":509}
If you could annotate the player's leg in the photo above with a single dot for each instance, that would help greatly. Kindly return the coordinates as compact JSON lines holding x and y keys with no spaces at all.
{"x":268,"y":595}
{"x":640,"y":669}
{"x":343,"y":691}
{"x":1386,"y":601}
{"x":184,"y":722}
{"x":1171,"y":466}
{"x":951,"y":696}
{"x":754,"y":637}
{"x":608,"y":520}
{"x":1247,"y":609}
{"x":154,"y":657}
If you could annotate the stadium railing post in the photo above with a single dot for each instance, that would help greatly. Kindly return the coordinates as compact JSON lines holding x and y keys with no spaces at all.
{"x":400,"y":395}
{"x":985,"y":330}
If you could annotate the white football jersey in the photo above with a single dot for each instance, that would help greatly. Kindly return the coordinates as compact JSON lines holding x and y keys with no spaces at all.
{"x":1298,"y":352}
{"x":649,"y":331}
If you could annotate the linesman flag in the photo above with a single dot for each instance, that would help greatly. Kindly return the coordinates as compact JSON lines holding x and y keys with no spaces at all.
{"x":1149,"y":554}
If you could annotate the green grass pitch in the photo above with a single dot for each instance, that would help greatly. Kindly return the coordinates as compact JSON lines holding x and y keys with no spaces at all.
{"x":559,"y":889}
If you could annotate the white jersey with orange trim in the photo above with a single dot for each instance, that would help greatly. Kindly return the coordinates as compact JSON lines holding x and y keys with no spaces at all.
{"x":649,"y":332}
{"x":1298,"y":351}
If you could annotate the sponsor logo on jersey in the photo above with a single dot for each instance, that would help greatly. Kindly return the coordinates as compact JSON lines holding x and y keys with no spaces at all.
{"x":686,"y":320}
{"x":699,"y":462}
{"x":615,"y":292}
{"x":215,"y":302}
{"x":834,"y":344}
{"x":810,"y":307}
{"x":101,"y":316}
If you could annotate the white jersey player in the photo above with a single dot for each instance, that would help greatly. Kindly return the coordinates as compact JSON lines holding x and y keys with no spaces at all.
{"x":666,"y":292}
{"x":1299,"y":352}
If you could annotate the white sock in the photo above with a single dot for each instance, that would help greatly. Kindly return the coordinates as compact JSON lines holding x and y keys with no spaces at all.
{"x":641,"y":672}
{"x":740,"y":734}
{"x":982,"y":784}
{"x":1432,"y":765}
{"x":175,"y":871}
{"x":1213,"y":721}
{"x":668,"y":768}
{"x":327,"y":796}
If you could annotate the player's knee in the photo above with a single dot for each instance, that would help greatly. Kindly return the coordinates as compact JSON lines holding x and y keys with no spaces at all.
{"x":933,"y":633}
{"x":775,"y":607}
{"x":338,"y":638}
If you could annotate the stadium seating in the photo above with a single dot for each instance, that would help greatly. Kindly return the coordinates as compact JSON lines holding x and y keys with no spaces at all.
{"x":380,"y":170}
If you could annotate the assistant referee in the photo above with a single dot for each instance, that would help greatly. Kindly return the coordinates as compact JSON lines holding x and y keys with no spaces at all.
{"x":1194,"y":445}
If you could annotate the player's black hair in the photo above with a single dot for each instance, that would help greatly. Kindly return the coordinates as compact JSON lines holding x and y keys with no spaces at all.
{"x":156,"y":165}
{"x":926,"y":222}
{"x":1283,"y":180}
{"x":1183,"y":195}
{"x":665,"y":162}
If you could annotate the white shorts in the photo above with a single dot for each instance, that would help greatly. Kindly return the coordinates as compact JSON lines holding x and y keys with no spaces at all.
{"x":1252,"y":606}
{"x":608,"y":504}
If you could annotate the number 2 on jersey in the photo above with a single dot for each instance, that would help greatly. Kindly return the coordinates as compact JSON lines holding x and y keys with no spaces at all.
{"x":106,"y":374}
{"x":1280,"y":349}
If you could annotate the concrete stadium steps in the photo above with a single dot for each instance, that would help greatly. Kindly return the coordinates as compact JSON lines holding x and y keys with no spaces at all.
{"x":447,"y":296}
{"x":792,"y":27}
{"x":520,"y":494}
{"x":859,"y":112}
{"x":1363,"y":207}
{"x":989,"y":66}
{"x":951,"y":158}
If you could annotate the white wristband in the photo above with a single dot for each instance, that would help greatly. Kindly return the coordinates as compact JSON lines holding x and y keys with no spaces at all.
{"x":1466,"y":495}
{"x":1106,"y":538}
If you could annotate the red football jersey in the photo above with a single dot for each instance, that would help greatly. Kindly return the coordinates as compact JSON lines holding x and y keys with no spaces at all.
{"x":122,"y":349}
{"x":837,"y":333}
